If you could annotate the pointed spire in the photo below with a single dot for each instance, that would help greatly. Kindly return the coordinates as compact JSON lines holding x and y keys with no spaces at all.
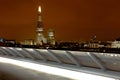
{"x":39,"y":9}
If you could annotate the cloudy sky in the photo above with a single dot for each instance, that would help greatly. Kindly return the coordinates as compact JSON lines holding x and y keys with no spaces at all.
{"x":71,"y":19}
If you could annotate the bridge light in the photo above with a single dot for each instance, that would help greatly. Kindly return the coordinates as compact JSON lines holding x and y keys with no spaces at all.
{"x":11,"y":48}
{"x":19,"y":49}
{"x":30,"y":49}
{"x":3,"y":47}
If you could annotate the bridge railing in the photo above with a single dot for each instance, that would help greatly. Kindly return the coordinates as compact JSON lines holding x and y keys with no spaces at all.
{"x":100,"y":61}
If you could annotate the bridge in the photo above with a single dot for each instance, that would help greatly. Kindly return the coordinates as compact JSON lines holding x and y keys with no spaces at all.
{"x":72,"y":64}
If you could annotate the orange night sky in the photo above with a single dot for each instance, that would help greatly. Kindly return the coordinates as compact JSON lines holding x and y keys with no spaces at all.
{"x":71,"y":19}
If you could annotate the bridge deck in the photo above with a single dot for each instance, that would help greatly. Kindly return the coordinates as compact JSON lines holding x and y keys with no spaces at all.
{"x":13,"y":72}
{"x":106,"y":63}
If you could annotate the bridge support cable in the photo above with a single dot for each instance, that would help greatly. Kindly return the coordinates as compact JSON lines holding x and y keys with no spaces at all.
{"x":8,"y":51}
{"x":72,"y":58}
{"x":52,"y":55}
{"x":97,"y":61}
{"x":27,"y":53}
{"x":39,"y":54}
{"x":11,"y":50}
{"x":3,"y":52}
{"x":18,"y":53}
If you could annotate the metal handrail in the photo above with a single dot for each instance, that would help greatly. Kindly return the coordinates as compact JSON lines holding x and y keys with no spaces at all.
{"x":77,"y":59}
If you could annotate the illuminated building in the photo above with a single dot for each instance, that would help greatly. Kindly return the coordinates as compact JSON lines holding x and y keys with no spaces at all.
{"x":51,"y":37}
{"x":10,"y":41}
{"x":115,"y":44}
{"x":40,"y":37}
{"x":28,"y":42}
{"x":94,"y":45}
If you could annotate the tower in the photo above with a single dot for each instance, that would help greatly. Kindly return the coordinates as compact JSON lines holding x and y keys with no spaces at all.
{"x":51,"y":37}
{"x":40,"y":36}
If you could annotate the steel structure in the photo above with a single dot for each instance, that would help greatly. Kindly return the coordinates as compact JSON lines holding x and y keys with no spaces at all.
{"x":40,"y":36}
{"x":104,"y":64}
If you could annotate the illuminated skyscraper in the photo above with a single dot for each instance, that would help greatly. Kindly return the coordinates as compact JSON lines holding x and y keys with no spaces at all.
{"x":51,"y":36}
{"x":40,"y":36}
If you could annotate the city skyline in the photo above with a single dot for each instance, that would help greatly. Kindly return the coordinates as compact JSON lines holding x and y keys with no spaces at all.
{"x":78,"y":20}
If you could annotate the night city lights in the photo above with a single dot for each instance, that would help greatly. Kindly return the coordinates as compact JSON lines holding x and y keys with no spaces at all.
{"x":59,"y":40}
